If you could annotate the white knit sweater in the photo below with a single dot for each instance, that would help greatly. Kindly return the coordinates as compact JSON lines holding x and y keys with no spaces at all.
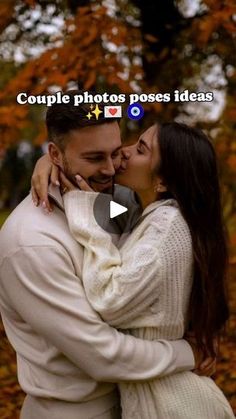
{"x":144,"y":287}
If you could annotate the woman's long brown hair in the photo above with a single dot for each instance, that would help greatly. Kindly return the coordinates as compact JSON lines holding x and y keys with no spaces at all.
{"x":189,"y":168}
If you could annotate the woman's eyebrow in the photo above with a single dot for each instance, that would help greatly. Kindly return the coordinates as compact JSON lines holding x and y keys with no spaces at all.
{"x":143,"y":142}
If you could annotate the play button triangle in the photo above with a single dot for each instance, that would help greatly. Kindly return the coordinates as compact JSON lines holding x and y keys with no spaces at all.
{"x":116,"y":209}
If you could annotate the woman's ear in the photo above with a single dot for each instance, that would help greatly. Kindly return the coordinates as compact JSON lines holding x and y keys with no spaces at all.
{"x":55,"y":154}
{"x":160,"y":186}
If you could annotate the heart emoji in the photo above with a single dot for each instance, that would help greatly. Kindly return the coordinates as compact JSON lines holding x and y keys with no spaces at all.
{"x":112,"y":111}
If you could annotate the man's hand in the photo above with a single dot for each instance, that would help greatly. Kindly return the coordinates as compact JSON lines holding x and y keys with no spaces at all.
{"x":207,"y":367}
{"x":204,"y":366}
{"x":44,"y":173}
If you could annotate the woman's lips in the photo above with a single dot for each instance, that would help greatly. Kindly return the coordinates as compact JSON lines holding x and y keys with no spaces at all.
{"x":122,"y":167}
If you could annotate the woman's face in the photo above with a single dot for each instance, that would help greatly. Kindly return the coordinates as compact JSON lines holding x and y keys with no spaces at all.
{"x":139,"y":162}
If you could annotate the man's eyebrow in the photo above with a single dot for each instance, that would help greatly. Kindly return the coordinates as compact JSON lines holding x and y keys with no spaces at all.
{"x":142,"y":142}
{"x":92,"y":153}
{"x":99,"y":152}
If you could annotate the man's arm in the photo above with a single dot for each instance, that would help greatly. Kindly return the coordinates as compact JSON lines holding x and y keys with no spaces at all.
{"x":40,"y":283}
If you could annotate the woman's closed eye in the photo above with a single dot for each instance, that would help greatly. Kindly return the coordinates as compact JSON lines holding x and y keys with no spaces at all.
{"x":140,"y":149}
{"x":115,"y":155}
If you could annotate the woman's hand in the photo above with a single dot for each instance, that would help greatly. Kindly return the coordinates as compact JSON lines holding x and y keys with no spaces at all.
{"x":44,"y":173}
{"x":67,"y":185}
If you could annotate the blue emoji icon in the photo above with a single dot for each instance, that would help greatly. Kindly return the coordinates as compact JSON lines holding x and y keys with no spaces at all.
{"x":135,"y":111}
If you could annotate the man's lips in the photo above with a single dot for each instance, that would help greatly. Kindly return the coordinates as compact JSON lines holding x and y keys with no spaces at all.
{"x":102,"y":182}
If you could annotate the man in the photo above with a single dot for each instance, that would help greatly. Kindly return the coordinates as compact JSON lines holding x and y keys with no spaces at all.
{"x":68,"y":358}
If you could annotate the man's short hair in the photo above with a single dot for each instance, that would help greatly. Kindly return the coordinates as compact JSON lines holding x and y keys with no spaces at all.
{"x":65,"y":117}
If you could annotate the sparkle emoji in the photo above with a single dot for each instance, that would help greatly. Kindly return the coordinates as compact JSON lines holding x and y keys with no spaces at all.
{"x":97,"y":112}
{"x":89,"y":116}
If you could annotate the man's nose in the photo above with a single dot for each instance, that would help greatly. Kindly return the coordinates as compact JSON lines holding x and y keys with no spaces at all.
{"x":108,"y":168}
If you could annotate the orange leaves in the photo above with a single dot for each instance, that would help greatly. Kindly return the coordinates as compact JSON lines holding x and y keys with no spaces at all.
{"x":232,"y":162}
{"x":150,"y":38}
{"x":233,"y":240}
{"x":206,"y":27}
{"x":84,"y":55}
{"x":41,"y":137}
{"x":218,"y":17}
{"x":12,"y":113}
{"x":231,"y":114}
{"x":91,"y":35}
{"x":30,"y":3}
{"x":91,"y":79}
{"x":6,"y":13}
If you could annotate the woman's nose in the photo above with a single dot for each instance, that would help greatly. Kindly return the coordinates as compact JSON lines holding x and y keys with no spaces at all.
{"x":126,"y":153}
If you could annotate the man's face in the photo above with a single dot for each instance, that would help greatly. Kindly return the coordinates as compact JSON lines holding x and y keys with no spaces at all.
{"x":95,"y":153}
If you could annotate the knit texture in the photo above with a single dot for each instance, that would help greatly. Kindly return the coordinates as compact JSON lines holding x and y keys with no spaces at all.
{"x":144,"y":288}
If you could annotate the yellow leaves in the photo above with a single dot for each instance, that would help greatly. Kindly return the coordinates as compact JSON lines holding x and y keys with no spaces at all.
{"x":41,"y":137}
{"x":233,"y":146}
{"x":231,"y":161}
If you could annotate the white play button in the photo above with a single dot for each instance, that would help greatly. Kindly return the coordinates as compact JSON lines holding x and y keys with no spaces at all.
{"x":116,"y":209}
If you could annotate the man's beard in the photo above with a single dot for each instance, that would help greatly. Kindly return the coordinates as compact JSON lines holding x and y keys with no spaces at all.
{"x":67,"y":171}
{"x":91,"y":180}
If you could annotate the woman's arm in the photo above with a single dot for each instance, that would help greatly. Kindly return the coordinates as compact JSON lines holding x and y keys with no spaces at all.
{"x":119,"y":284}
{"x":44,"y":173}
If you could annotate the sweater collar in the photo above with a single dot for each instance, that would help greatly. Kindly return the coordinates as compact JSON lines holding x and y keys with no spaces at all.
{"x":55,"y":194}
{"x":151,"y":207}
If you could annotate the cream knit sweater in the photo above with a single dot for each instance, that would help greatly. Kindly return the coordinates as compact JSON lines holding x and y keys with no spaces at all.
{"x":144,"y":287}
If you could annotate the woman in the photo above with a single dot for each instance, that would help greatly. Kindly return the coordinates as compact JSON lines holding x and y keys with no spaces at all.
{"x":169,"y":274}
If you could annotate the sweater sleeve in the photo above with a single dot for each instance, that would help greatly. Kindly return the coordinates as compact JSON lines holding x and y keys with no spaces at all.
{"x":119,"y":284}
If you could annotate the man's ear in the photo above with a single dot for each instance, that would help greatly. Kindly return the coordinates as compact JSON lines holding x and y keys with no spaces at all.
{"x":55,"y":154}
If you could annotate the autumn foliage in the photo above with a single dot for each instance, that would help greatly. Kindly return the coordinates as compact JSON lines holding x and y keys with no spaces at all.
{"x":141,"y":46}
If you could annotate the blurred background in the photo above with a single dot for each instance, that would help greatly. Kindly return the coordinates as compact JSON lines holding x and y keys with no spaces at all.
{"x":117,"y":46}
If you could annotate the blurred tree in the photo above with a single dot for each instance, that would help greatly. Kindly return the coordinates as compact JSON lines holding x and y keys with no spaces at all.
{"x":15,"y":173}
